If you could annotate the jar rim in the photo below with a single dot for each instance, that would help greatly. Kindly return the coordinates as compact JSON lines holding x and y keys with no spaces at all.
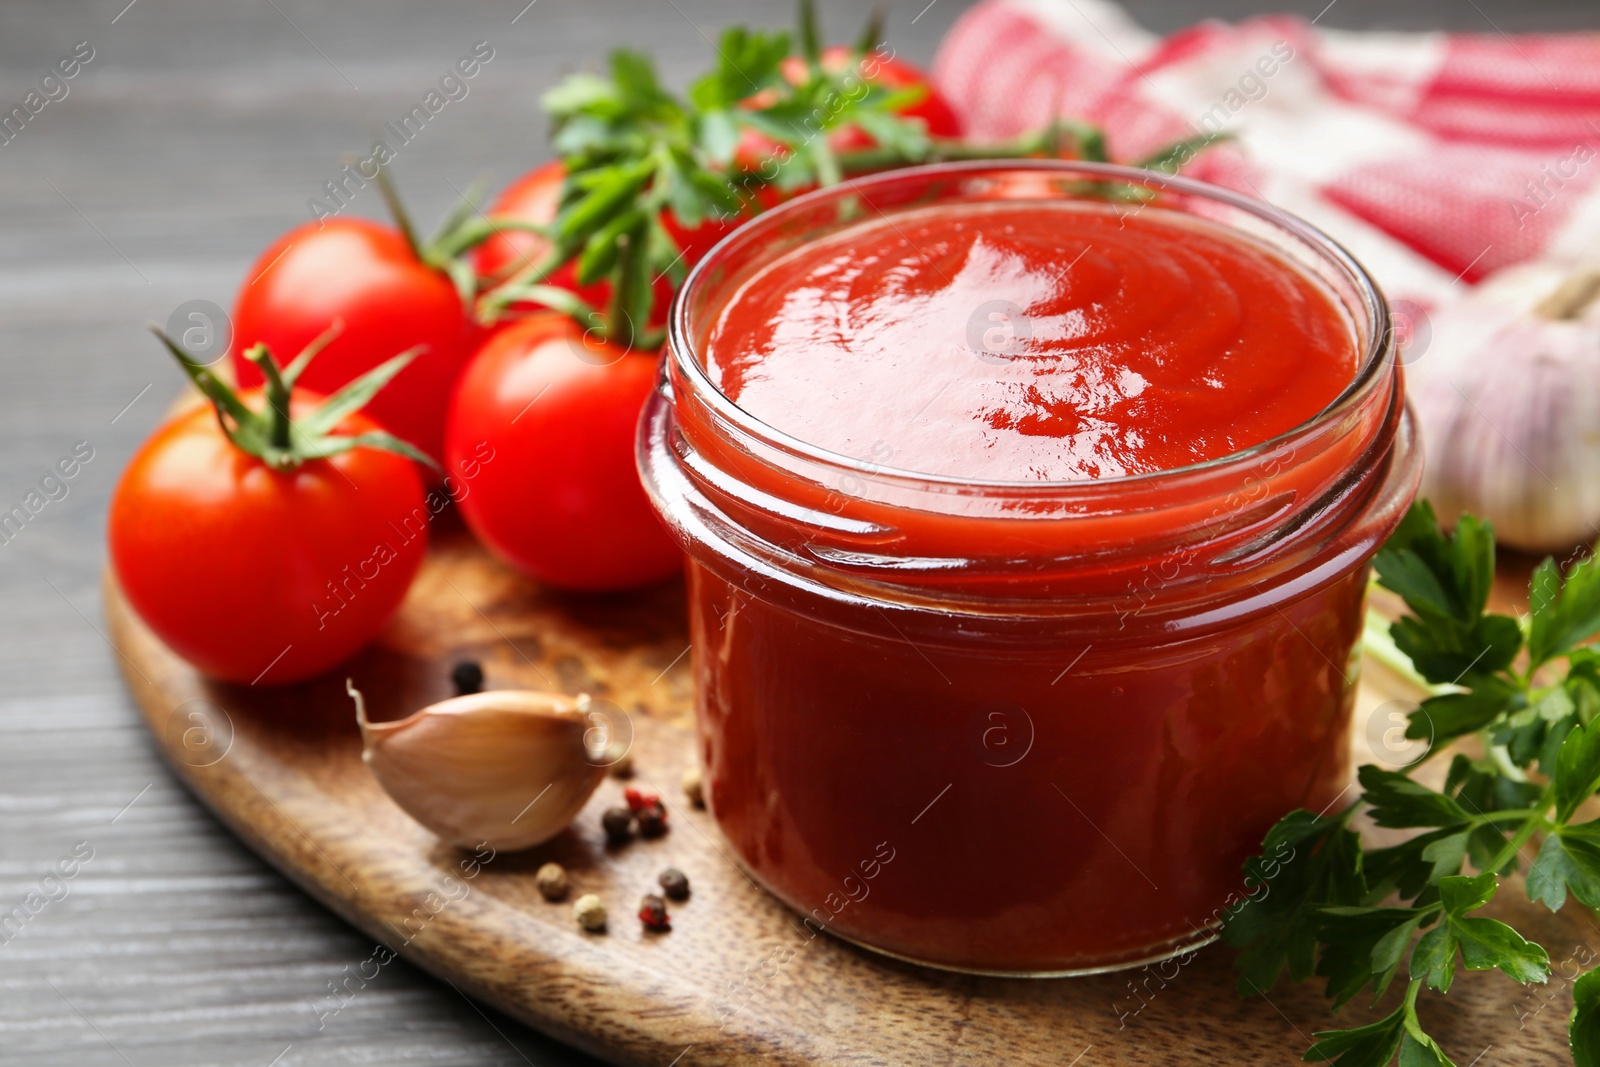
{"x":1377,"y":350}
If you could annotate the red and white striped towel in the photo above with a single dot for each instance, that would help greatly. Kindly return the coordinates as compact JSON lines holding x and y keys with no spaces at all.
{"x":1436,"y":158}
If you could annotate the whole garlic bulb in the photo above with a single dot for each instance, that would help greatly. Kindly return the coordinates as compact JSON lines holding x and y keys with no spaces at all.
{"x":1508,"y":398}
{"x":509,"y":768}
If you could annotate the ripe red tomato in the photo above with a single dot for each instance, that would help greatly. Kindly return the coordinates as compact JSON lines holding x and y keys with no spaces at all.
{"x":562,"y":499}
{"x":534,"y":197}
{"x":257,"y":575}
{"x":366,"y":276}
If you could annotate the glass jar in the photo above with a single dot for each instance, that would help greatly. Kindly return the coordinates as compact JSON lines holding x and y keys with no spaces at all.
{"x":1022,"y":728}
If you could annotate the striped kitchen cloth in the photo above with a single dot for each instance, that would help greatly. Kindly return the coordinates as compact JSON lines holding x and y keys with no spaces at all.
{"x":1437,"y":158}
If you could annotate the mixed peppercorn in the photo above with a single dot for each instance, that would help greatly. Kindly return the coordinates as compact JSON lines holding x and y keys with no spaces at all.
{"x":643,"y":814}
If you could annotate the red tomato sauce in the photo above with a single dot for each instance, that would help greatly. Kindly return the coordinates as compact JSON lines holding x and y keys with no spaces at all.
{"x":1029,"y":343}
{"x":1055,"y":753}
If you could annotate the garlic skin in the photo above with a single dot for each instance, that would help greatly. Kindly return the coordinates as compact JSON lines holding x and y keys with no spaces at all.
{"x":509,"y":768}
{"x":1508,"y":398}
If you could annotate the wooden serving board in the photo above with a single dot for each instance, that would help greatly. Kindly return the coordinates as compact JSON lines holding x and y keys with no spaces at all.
{"x":737,"y":980}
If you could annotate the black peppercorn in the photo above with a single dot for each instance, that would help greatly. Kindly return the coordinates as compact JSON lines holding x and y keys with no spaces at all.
{"x":674,"y":883}
{"x":653,"y":913}
{"x":618,"y":823}
{"x":467,"y":677}
{"x":652,"y":820}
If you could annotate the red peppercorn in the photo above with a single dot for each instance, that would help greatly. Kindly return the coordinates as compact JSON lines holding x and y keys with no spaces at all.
{"x":653,"y":913}
{"x":639,"y":799}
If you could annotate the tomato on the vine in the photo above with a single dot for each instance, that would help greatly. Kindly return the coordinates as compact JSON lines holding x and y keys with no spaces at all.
{"x":261,"y":555}
{"x":368,"y":278}
{"x":883,"y":71}
{"x":535,"y":197}
{"x":562,"y":501}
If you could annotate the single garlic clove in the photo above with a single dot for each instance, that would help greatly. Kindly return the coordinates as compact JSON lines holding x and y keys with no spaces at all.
{"x":505,"y":767}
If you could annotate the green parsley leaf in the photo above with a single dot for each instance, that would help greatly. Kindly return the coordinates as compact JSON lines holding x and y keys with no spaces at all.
{"x":1449,"y":715}
{"x":1361,"y":947}
{"x":1528,"y":735}
{"x":1569,"y":859}
{"x":599,"y":255}
{"x":1583,"y":1028}
{"x":1373,"y":1045}
{"x":1487,"y":943}
{"x":1308,"y":861}
{"x":1565,"y":613}
{"x":1406,"y":869}
{"x":748,"y":61}
{"x":1420,"y":1050}
{"x":1439,"y":576}
{"x":635,"y":77}
{"x":1446,"y":855}
{"x":581,"y":93}
{"x":1582,"y":685}
{"x":1482,"y":943}
{"x":1445,"y":582}
{"x":1577,"y":773}
{"x":1397,"y":801}
{"x":718,"y":136}
{"x":1434,"y":958}
{"x":1479,"y":787}
{"x":615,"y":188}
{"x":1445,"y":653}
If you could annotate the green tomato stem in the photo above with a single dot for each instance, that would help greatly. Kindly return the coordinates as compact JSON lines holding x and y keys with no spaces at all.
{"x":277,"y":397}
{"x":271,"y":435}
{"x":492,"y":304}
{"x":471,"y":234}
{"x":402,"y":219}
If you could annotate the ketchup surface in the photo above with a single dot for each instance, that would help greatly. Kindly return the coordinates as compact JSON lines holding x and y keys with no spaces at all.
{"x":1046,"y":342}
{"x":1008,"y":738}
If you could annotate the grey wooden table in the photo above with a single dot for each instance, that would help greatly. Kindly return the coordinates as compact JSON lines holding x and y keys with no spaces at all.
{"x":194,"y":136}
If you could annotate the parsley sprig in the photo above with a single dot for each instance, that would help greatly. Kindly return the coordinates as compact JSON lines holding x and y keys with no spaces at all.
{"x":1528,"y":690}
{"x":633,"y":150}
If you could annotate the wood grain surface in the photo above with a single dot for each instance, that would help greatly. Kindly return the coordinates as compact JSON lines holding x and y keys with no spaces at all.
{"x":737,"y":980}
{"x":190,"y":142}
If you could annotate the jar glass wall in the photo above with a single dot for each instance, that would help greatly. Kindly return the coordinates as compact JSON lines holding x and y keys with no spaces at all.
{"x":1021,"y":727}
